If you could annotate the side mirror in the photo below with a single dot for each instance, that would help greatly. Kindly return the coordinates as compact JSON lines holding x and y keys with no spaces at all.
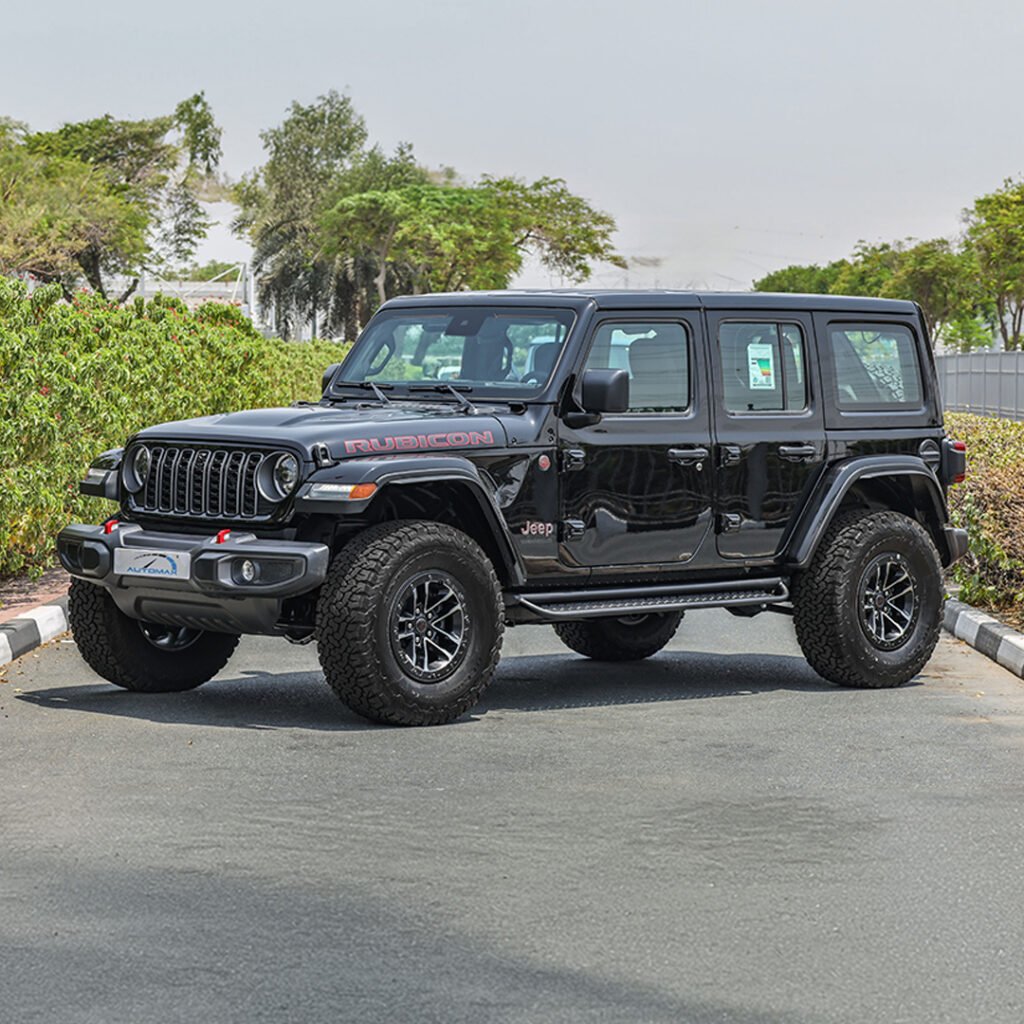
{"x":605,"y":391}
{"x":328,"y":376}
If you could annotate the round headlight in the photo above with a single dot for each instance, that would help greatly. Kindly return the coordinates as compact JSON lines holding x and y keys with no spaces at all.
{"x":139,"y":466}
{"x":286,"y":474}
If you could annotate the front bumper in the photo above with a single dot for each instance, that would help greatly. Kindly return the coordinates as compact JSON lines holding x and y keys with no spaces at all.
{"x":215,"y":596}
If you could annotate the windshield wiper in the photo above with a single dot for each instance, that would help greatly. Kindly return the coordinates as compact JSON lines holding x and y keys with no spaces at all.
{"x":465,"y":405}
{"x":367,"y":385}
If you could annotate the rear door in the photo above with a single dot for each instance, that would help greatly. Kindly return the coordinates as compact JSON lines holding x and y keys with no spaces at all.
{"x":768,"y":428}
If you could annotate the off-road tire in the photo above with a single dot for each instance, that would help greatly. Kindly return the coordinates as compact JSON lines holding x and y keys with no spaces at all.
{"x":618,"y":640}
{"x":115,"y":647}
{"x":356,"y":624}
{"x":828,"y":596}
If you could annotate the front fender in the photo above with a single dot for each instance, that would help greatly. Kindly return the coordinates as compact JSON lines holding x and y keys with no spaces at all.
{"x":837,"y":482}
{"x":407,"y":471}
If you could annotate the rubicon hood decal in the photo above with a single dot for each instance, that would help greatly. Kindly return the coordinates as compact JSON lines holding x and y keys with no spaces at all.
{"x":419,"y":442}
{"x":347,"y":432}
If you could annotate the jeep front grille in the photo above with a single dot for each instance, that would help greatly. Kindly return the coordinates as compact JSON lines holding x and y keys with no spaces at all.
{"x":203,"y":483}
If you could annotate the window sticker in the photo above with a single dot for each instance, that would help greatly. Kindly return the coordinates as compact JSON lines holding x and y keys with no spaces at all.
{"x":761,"y":361}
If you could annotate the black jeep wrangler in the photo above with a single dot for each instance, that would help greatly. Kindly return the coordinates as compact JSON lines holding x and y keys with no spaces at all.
{"x":599,"y":461}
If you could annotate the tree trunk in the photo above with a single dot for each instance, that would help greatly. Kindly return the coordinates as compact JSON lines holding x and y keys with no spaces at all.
{"x":1001,"y":314}
{"x":128,"y":292}
{"x":89,"y":261}
{"x":380,"y":280}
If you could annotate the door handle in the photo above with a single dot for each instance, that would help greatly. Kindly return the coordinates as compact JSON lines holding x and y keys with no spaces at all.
{"x":684,"y":455}
{"x":797,"y":452}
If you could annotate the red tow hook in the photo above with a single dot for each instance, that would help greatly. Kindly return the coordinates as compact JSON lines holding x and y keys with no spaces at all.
{"x":222,"y":536}
{"x":111,"y":525}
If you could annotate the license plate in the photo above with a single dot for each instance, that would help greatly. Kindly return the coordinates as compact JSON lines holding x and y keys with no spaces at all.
{"x":149,"y":563}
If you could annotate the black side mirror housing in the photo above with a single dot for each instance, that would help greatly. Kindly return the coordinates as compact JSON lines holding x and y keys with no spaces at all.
{"x":328,"y":376}
{"x":601,"y":391}
{"x":605,"y":391}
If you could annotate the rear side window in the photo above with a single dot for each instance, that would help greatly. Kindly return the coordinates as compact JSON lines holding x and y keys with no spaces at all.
{"x":876,"y":367}
{"x":763,"y":367}
{"x":657,"y":357}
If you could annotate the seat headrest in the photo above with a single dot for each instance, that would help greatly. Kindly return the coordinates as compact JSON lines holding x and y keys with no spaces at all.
{"x":656,"y":355}
{"x":544,"y":357}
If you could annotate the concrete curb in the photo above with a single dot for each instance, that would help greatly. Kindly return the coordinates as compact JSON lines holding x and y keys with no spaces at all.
{"x":31,"y":629}
{"x":989,"y":636}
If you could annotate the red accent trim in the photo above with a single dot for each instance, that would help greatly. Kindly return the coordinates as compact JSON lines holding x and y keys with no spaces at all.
{"x":111,"y":525}
{"x":222,"y":536}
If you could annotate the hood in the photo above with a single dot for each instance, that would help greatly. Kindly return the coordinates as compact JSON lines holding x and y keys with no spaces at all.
{"x":347,"y":432}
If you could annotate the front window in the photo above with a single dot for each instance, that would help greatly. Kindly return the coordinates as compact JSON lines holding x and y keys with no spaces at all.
{"x":480,"y":348}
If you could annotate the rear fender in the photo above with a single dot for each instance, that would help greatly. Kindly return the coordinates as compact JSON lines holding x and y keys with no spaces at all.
{"x":841,"y":480}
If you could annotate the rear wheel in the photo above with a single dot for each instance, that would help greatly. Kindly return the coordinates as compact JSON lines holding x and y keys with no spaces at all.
{"x":142,"y":656}
{"x":409,"y":623}
{"x":869,"y":607}
{"x":626,"y":638}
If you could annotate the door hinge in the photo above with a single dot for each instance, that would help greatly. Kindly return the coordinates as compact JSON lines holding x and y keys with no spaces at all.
{"x":729,"y":454}
{"x":573,"y":459}
{"x":729,"y":522}
{"x":573,"y":529}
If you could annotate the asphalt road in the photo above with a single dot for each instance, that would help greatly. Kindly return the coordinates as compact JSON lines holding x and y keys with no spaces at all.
{"x":713,"y":835}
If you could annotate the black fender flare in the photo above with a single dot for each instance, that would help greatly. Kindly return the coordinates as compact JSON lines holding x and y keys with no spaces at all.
{"x":391,"y":471}
{"x":836,"y":483}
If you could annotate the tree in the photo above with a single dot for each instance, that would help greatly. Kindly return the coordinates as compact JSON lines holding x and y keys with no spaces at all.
{"x":808,"y":279}
{"x":562,"y":229}
{"x":447,"y":237}
{"x":944,"y":282}
{"x":153,"y":170}
{"x":54,"y":209}
{"x":942,"y":279}
{"x":280,"y":206}
{"x":995,"y":238}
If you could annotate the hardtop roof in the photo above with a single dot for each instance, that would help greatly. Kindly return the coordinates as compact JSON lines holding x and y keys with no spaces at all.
{"x":608,"y":298}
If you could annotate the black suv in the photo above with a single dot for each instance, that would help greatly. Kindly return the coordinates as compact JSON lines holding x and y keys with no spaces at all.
{"x":600,"y":461}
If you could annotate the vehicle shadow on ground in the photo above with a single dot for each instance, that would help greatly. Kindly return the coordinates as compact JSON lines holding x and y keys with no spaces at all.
{"x":302,"y":700}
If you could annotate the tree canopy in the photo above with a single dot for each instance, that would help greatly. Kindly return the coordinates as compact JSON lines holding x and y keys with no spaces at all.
{"x":941,"y":277}
{"x":105,"y":196}
{"x":338,"y":225}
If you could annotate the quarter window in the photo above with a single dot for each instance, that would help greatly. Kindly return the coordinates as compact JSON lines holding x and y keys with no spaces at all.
{"x":876,"y":367}
{"x":657,"y":357}
{"x":764,"y":368}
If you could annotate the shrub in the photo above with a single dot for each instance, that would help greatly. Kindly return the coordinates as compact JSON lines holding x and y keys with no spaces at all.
{"x":76,"y":379}
{"x":990,"y":505}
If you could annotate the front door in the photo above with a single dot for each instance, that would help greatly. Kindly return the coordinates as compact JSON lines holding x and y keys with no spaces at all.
{"x":769,"y":432}
{"x":636,"y":486}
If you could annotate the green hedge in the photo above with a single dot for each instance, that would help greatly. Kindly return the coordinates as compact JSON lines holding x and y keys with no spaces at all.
{"x":990,"y":504}
{"x":78,"y":378}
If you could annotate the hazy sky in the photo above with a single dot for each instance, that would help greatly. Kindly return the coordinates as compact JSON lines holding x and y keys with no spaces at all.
{"x":726,"y":138}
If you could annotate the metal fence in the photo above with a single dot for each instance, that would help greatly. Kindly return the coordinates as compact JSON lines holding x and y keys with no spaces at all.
{"x":988,"y":383}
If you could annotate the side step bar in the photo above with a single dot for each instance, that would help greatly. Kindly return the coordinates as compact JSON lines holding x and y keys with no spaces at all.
{"x":567,"y":605}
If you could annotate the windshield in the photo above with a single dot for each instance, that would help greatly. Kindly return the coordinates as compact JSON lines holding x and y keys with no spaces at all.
{"x":501,"y":350}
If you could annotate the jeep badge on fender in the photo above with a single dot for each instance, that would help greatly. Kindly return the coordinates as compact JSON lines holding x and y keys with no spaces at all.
{"x":602,"y":462}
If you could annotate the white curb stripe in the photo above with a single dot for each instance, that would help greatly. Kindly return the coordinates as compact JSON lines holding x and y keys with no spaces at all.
{"x":49,"y":619}
{"x":1011,"y":654}
{"x":6,"y":654}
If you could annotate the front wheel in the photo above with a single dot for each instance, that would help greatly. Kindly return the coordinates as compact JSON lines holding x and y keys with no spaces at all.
{"x":142,"y":656}
{"x":868,"y":609}
{"x":627,"y":638}
{"x":409,"y":623}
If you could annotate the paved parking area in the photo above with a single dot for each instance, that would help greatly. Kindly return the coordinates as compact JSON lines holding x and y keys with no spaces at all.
{"x":713,"y":835}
